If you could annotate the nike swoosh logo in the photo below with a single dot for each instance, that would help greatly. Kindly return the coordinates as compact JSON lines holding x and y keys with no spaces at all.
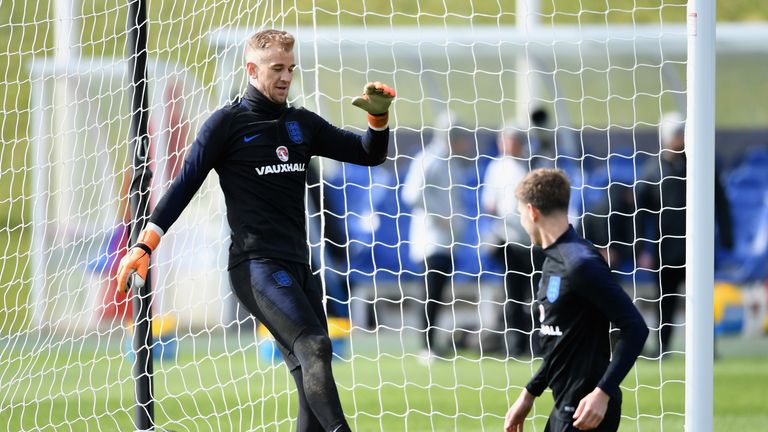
{"x":251,"y":138}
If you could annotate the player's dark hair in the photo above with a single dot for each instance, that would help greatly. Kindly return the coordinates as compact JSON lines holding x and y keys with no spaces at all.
{"x":547,"y":189}
{"x":271,"y":38}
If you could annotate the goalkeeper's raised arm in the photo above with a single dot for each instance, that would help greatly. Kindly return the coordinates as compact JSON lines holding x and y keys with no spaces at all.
{"x":260,"y":147}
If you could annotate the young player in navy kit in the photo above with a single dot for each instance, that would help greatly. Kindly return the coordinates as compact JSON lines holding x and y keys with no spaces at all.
{"x":577,"y":300}
{"x":260,"y":147}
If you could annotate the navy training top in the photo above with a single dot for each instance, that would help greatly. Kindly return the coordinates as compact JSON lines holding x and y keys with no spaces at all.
{"x":260,"y":150}
{"x":576,"y":302}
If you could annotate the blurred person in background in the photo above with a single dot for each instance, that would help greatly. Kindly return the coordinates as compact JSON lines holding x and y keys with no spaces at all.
{"x":432,"y":189}
{"x":609,"y":223}
{"x":661,"y":228}
{"x":511,"y":244}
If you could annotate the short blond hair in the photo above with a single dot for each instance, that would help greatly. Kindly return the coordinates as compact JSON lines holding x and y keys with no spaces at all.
{"x":269,"y":38}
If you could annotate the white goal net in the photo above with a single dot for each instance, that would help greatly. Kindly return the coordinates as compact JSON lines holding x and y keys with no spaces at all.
{"x":585,"y":88}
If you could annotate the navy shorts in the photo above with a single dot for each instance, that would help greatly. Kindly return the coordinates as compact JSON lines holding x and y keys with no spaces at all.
{"x":284,"y":297}
{"x":610,"y":422}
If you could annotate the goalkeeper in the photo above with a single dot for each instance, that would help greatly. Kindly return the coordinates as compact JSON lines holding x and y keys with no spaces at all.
{"x":260,"y":148}
{"x":577,"y":300}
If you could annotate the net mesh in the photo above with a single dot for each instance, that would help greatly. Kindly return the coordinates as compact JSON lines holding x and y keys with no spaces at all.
{"x":585,"y":84}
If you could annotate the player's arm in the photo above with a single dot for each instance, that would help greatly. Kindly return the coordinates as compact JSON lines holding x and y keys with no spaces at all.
{"x":517,"y":413}
{"x":609,"y":298}
{"x":370,"y":149}
{"x":201,"y":157}
{"x":538,"y":382}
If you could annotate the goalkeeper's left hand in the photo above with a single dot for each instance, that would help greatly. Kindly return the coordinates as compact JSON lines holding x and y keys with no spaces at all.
{"x":375,"y":100}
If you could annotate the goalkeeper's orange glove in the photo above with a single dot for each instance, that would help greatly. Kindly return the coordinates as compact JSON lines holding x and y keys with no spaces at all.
{"x":136,"y":261}
{"x":375,"y":100}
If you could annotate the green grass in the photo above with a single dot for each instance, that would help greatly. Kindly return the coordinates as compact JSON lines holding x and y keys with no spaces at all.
{"x":223,"y":385}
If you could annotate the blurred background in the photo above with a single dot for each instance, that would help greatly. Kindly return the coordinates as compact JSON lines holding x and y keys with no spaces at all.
{"x":587,"y":83}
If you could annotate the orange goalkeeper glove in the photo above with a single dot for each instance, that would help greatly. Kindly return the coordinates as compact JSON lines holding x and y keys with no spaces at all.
{"x":136,"y":261}
{"x":375,"y":100}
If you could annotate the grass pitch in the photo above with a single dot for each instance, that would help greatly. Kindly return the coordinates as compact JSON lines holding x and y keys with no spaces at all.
{"x":221,"y":384}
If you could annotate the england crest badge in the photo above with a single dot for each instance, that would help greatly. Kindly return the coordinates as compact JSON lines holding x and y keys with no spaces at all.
{"x":294,"y":132}
{"x":553,"y":288}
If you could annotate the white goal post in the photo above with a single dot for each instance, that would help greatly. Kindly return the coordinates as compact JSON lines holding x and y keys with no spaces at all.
{"x":700,"y":218}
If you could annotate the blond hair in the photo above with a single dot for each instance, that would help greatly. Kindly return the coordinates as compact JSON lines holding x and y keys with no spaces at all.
{"x":265,"y":39}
